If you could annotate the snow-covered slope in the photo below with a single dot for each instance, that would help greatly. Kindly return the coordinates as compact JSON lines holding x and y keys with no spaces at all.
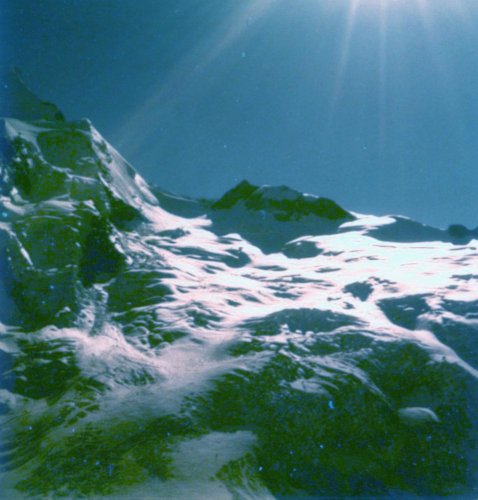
{"x":265,"y":344}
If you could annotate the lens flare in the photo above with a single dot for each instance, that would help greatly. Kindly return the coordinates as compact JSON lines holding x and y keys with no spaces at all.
{"x":375,"y":17}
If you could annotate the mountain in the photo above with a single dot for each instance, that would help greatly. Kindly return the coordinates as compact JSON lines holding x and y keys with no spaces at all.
{"x":17,"y":100}
{"x":269,"y":344}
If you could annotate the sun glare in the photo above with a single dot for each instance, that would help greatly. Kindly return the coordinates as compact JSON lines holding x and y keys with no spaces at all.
{"x":380,"y":14}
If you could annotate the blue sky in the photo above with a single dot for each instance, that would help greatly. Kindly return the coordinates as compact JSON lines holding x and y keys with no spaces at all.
{"x":373,"y":103}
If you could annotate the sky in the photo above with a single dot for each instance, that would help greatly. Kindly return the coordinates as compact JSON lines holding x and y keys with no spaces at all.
{"x":373,"y":103}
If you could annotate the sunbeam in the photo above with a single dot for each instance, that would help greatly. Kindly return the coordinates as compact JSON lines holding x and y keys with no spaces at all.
{"x":130,"y":135}
{"x":446,"y":82}
{"x":342,"y":60}
{"x":382,"y":88}
{"x":372,"y":18}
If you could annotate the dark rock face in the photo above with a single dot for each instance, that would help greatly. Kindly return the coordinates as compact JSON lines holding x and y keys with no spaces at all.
{"x":292,"y":206}
{"x":461,"y":235}
{"x":62,"y":220}
{"x":405,"y":311}
{"x":269,"y":217}
{"x":302,"y":320}
{"x":100,"y":259}
{"x":404,"y":230}
{"x":242,"y":191}
{"x":359,"y":290}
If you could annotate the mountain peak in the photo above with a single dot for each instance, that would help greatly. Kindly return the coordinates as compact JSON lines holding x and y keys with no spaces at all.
{"x":286,"y":203}
{"x":240,"y":192}
{"x":18,"y":101}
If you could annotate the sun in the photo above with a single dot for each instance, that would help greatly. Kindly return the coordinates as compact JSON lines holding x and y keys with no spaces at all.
{"x":382,"y":13}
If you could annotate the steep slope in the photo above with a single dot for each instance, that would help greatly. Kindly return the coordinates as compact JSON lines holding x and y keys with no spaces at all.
{"x":17,"y":100}
{"x":144,"y":353}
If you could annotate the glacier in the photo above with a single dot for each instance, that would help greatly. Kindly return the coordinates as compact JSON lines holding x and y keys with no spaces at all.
{"x":268,"y":344}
